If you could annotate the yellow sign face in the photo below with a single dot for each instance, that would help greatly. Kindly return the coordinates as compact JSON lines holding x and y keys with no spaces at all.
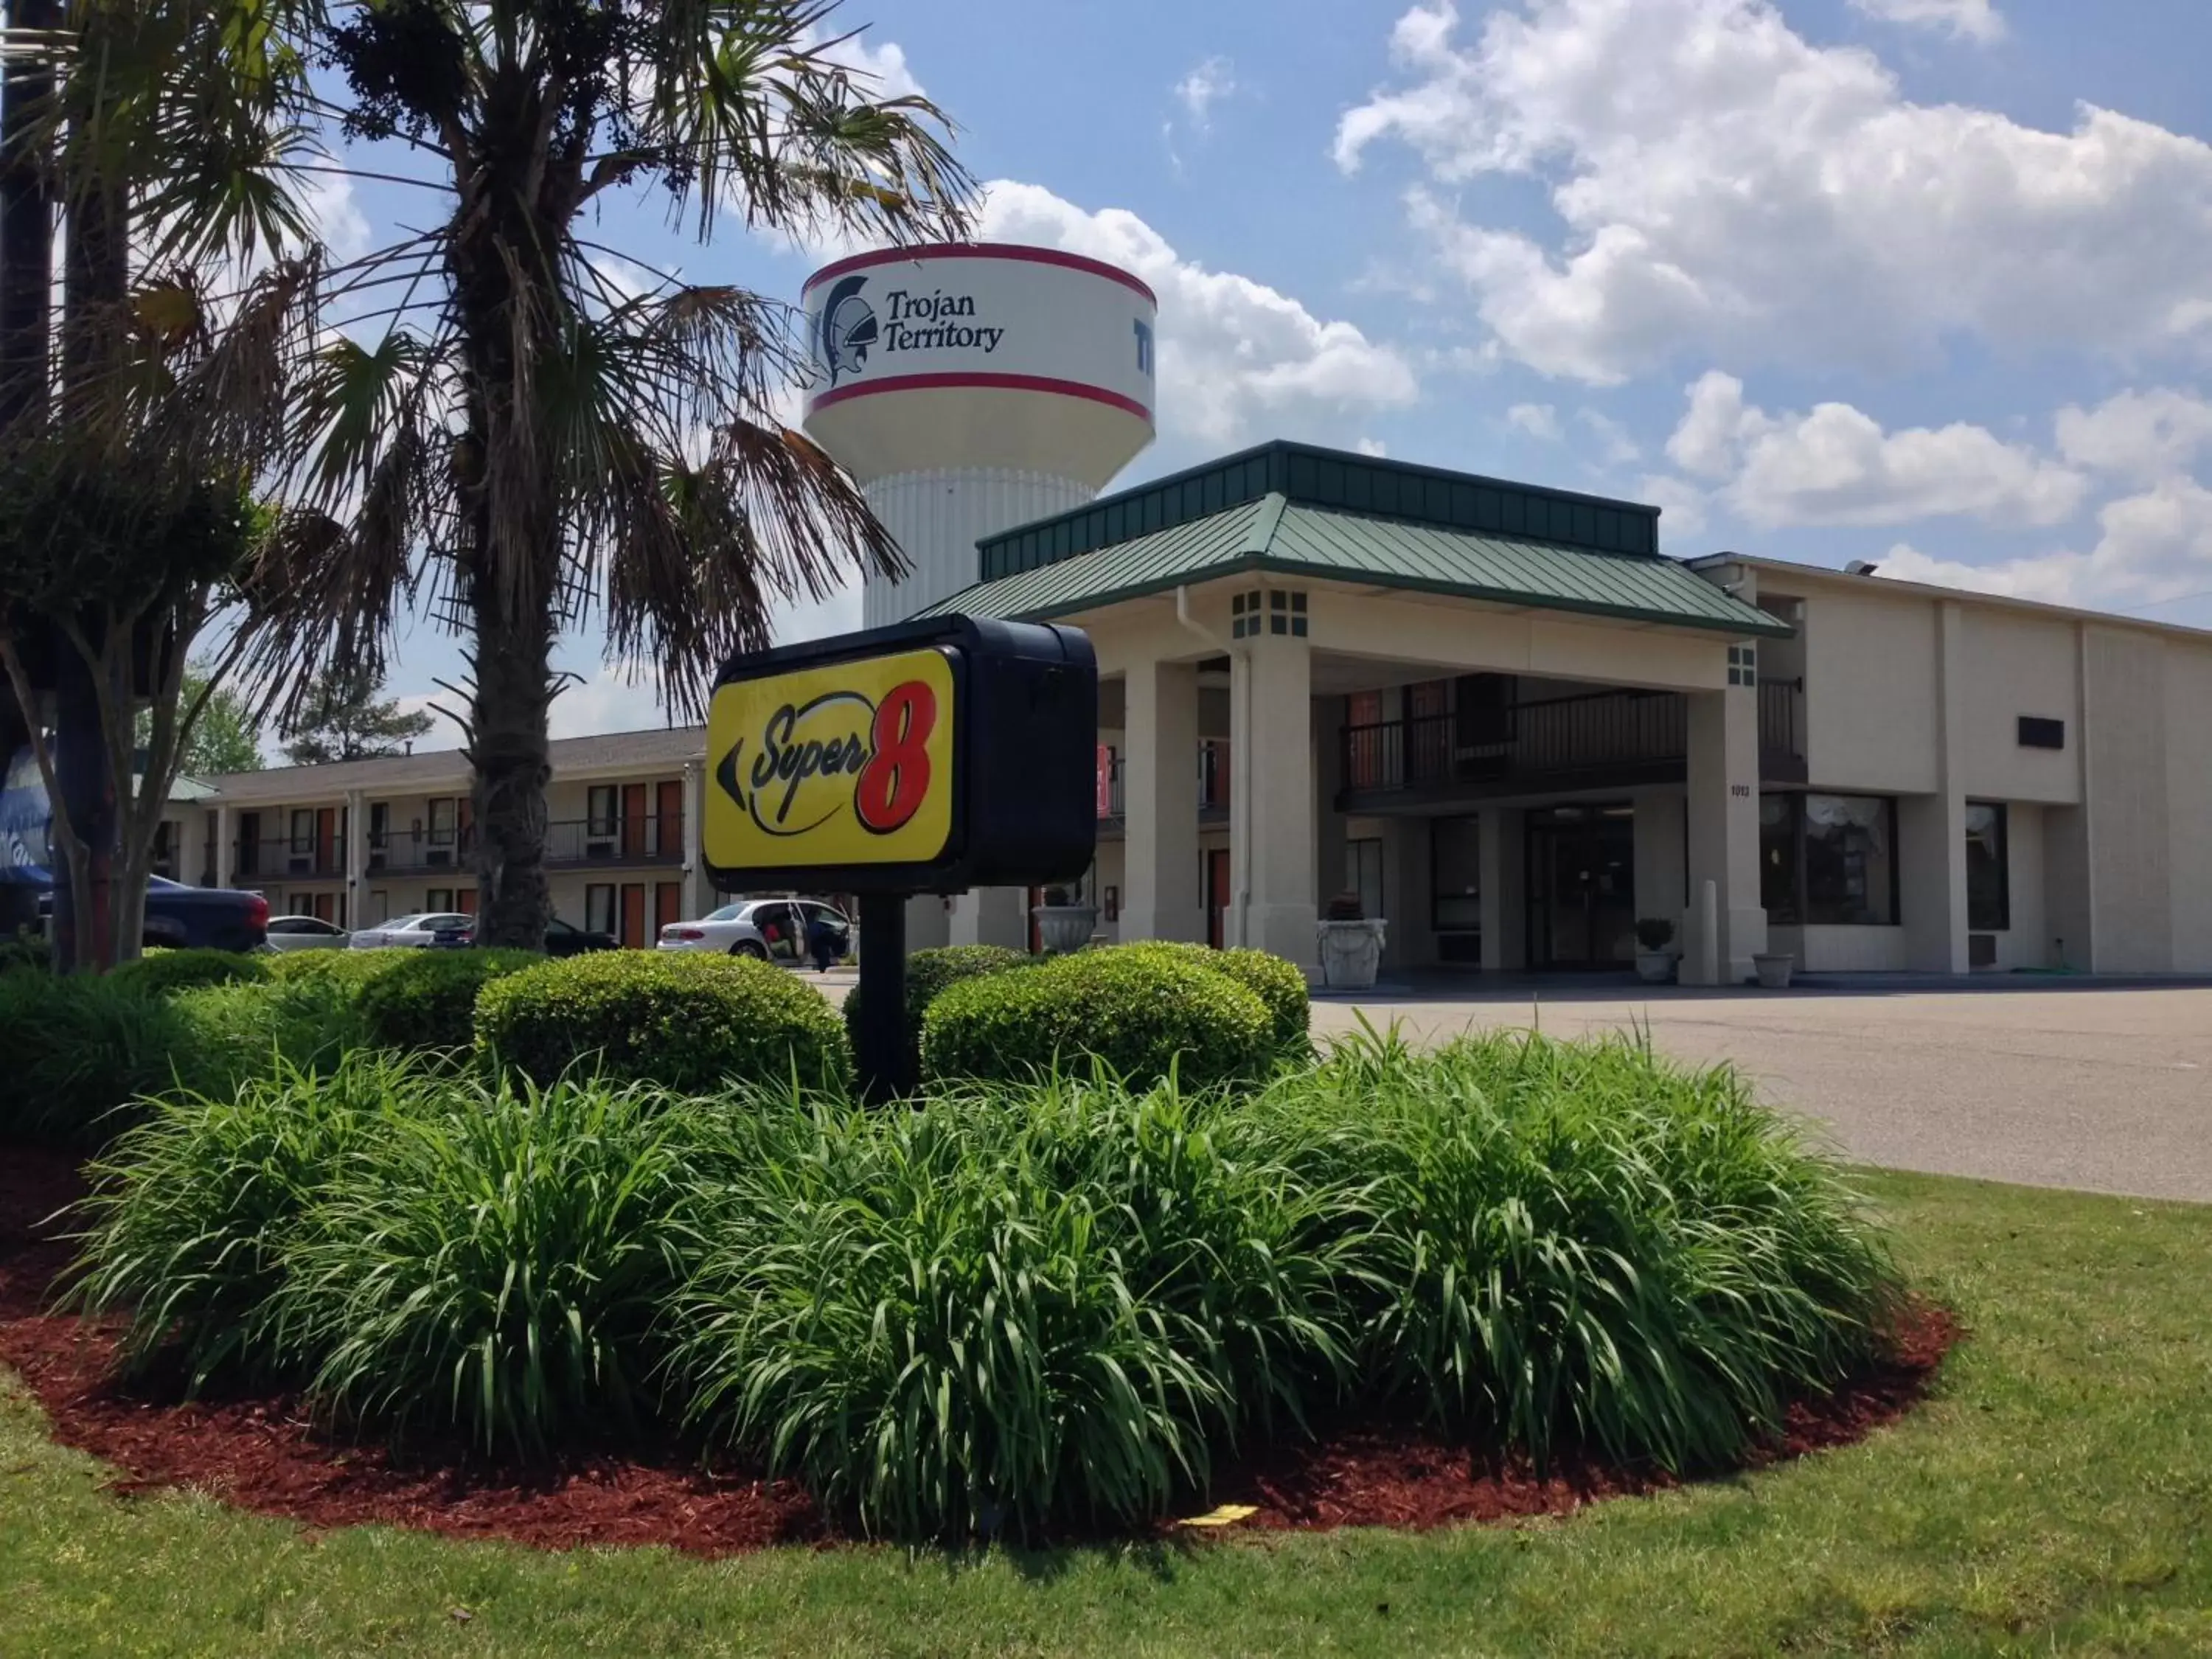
{"x":850,"y":764}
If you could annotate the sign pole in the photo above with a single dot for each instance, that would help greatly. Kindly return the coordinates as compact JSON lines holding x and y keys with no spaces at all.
{"x":882,"y":1044}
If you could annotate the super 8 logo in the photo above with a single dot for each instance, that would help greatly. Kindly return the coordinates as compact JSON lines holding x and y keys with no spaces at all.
{"x":850,"y":764}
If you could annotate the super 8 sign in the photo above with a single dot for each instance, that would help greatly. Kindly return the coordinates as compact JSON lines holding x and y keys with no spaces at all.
{"x":856,"y":765}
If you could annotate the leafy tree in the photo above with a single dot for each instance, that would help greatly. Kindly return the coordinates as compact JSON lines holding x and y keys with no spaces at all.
{"x":226,"y":737}
{"x":342,"y":718}
{"x":531,"y":434}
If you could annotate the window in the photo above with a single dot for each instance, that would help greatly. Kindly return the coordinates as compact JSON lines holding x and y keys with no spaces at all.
{"x":1280,"y":612}
{"x":599,"y":907}
{"x":1743,"y":665}
{"x":380,"y":824}
{"x":602,"y":814}
{"x":1989,"y":886}
{"x":440,"y":898}
{"x":303,"y":831}
{"x":1455,"y":871}
{"x":1828,"y":861}
{"x":1362,"y":874}
{"x":442,"y":820}
{"x":2040,"y":733}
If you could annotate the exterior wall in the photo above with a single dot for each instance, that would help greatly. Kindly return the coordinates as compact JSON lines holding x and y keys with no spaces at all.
{"x":1871,"y":693}
{"x":2015,"y":665}
{"x":2189,"y":802}
{"x":1847,"y":949}
{"x":1661,"y":860}
{"x":2130,"y":822}
{"x":1450,"y":638}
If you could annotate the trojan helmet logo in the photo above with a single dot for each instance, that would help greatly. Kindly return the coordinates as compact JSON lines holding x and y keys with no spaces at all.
{"x":848,"y":330}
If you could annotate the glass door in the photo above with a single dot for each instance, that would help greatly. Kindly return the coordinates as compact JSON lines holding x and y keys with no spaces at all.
{"x":1581,"y":888}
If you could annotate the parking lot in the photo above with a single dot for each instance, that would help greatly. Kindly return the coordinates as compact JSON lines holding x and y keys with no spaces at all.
{"x":2048,"y":1083}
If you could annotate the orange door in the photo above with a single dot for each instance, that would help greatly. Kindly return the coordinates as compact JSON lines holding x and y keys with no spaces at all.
{"x":667,"y":904}
{"x":668,"y":810}
{"x":464,"y":825}
{"x":326,"y":841}
{"x":464,"y":900}
{"x":633,"y":821}
{"x":632,"y":914}
{"x":1217,"y":897}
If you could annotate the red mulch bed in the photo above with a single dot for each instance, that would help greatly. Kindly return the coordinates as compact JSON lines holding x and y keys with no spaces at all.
{"x":264,"y":1453}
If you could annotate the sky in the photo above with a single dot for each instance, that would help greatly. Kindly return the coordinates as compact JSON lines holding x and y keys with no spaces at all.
{"x":1927,"y":283}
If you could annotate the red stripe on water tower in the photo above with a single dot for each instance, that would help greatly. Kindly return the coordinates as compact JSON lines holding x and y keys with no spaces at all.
{"x":967,"y":381}
{"x":1035,"y":256}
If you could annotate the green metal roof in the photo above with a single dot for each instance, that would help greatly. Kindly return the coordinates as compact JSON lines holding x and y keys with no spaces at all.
{"x":1305,"y":475}
{"x":1279,"y":537}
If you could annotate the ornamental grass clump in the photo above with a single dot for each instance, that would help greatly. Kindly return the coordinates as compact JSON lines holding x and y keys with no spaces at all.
{"x":495,"y":1264}
{"x":192,"y":1212}
{"x":1008,"y":1309}
{"x":79,"y":1052}
{"x":1582,"y":1242}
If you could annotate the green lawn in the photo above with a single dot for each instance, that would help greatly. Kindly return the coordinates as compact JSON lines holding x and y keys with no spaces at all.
{"x":2056,"y":1496}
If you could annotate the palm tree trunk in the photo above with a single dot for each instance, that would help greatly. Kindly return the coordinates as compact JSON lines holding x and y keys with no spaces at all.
{"x":508,"y":749}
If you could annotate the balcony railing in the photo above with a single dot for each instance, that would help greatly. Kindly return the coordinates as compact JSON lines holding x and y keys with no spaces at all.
{"x":1617,"y":736}
{"x":304,"y":857}
{"x":656,"y":839}
{"x":413,"y":852}
{"x":1212,"y":785}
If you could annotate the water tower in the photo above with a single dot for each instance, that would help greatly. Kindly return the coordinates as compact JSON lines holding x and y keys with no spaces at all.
{"x":973,"y":388}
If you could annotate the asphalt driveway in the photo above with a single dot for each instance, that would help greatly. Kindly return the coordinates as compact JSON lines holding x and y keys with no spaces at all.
{"x":2057,"y":1084}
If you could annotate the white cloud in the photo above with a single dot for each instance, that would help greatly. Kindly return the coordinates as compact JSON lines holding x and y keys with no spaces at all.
{"x":1537,"y":420}
{"x":1974,"y":20}
{"x":2137,"y":435}
{"x":1726,"y":185}
{"x":1836,"y":466}
{"x":1681,"y":505}
{"x":1615,"y":447}
{"x":327,"y":200}
{"x":1374,"y":447}
{"x":1235,"y":356}
{"x":615,"y":697}
{"x":1210,"y":83}
{"x":2152,"y":547}
{"x":880,"y":69}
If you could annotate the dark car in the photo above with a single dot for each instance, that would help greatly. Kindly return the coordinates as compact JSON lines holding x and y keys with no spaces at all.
{"x":194,"y":918}
{"x":561,"y":938}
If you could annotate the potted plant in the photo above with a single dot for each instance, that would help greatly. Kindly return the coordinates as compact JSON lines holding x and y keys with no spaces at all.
{"x":1351,"y":943}
{"x":1772,"y":968}
{"x":1654,"y":963}
{"x":1064,"y":922}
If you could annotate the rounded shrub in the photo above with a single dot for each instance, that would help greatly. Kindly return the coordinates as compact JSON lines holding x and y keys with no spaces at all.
{"x":350,"y":968}
{"x":929,"y":974}
{"x":252,"y":1029}
{"x":429,"y":998}
{"x":1146,"y":1014}
{"x":78,"y":1050}
{"x":692,"y":1023}
{"x":162,"y":972}
{"x":1277,"y":983}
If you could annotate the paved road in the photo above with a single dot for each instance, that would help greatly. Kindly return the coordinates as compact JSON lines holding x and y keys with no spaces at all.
{"x":2050,"y":1084}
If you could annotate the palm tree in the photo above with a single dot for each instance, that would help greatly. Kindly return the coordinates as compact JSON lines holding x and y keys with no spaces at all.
{"x":517,"y":428}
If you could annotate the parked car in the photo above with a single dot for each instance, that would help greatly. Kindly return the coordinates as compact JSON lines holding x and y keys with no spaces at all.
{"x":561,"y":939}
{"x":306,"y":933}
{"x":418,"y":931}
{"x":772,"y":930}
{"x":185,"y":917}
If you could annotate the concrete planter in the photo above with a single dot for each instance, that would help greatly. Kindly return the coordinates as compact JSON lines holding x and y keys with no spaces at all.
{"x":1655,"y":967}
{"x":1062,"y":928}
{"x":1773,"y":969}
{"x":1351,"y":953}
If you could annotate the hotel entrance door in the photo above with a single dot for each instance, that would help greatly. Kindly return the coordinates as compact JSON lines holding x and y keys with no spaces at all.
{"x":1581,"y":888}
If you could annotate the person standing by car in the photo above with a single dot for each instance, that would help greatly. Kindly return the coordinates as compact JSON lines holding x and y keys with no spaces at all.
{"x":824,"y":942}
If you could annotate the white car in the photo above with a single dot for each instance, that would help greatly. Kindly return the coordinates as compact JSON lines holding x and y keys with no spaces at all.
{"x":306,"y":933}
{"x":769,"y":930}
{"x":415,"y":932}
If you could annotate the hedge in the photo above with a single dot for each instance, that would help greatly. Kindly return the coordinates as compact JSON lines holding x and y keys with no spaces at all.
{"x":1276,"y":982}
{"x":26,"y":951}
{"x":351,"y":969}
{"x":163,"y":973}
{"x":930,"y":973}
{"x":1144,"y":1013}
{"x":427,"y":1000}
{"x":687,"y":1022}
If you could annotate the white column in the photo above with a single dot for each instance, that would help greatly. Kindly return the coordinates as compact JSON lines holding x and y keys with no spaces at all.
{"x":1160,"y":896}
{"x":226,"y":826}
{"x":1503,"y":850}
{"x":1329,"y":829}
{"x":1271,"y":835}
{"x":356,"y":857}
{"x":990,"y":915}
{"x":1723,"y":830}
{"x":695,"y":885}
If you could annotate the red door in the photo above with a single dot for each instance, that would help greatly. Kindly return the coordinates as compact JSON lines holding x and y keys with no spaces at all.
{"x":464,"y":900}
{"x":1217,"y":897}
{"x":667,"y":904}
{"x":633,"y":821}
{"x":668,"y":813}
{"x":632,"y":914}
{"x":326,"y":842}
